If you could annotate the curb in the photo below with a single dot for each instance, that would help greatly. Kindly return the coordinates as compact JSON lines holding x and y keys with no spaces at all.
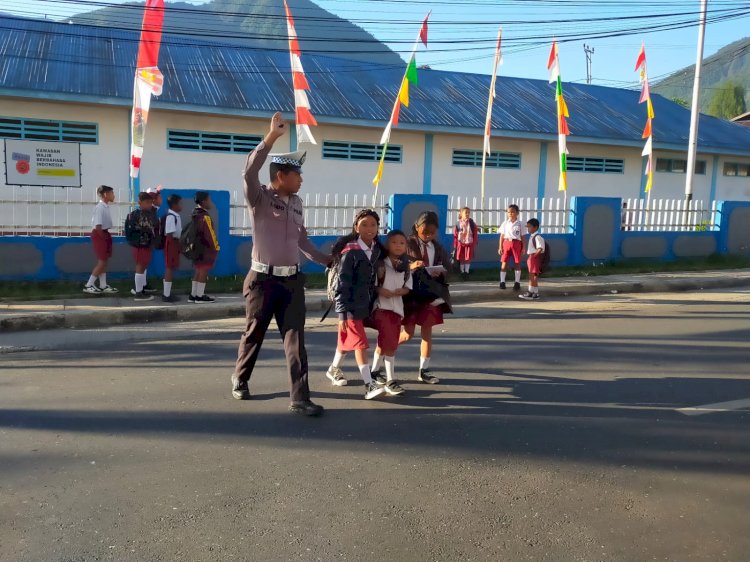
{"x":188,"y":313}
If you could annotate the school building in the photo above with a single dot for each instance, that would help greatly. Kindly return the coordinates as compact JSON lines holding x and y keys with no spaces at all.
{"x":73,"y":84}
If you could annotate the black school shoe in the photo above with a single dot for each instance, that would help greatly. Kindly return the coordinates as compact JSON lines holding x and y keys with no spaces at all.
{"x":142,"y":296}
{"x":240,"y":389}
{"x":306,"y":408}
{"x":502,"y":284}
{"x":379,"y":377}
{"x":170,"y":298}
{"x":203,"y":299}
{"x":148,"y":289}
{"x":427,"y":377}
{"x":516,"y":286}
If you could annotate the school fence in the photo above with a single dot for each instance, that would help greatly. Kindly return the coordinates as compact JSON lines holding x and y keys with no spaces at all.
{"x":489,"y":214}
{"x":598,"y":229}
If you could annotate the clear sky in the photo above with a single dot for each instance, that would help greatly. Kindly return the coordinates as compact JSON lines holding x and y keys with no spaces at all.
{"x":463,"y":33}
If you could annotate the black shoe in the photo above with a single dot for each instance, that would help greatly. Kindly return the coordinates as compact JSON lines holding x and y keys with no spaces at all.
{"x":373,"y":390}
{"x":394,"y":389}
{"x":516,"y":286}
{"x":379,"y":377}
{"x":148,"y":289}
{"x":192,"y":298}
{"x":143,"y":297}
{"x":240,"y":390}
{"x":306,"y":408}
{"x":204,"y":299}
{"x":170,"y":298}
{"x":427,"y":377}
{"x":502,"y":284}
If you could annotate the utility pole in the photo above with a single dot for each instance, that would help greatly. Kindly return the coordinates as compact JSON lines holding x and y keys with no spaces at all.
{"x":589,"y":52}
{"x":694,"y":110}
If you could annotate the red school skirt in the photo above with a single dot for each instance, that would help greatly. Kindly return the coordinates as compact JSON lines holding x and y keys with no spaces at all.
{"x":388,"y":325}
{"x":354,"y":337}
{"x":424,"y":315}
{"x":171,"y":252}
{"x":102,"y":242}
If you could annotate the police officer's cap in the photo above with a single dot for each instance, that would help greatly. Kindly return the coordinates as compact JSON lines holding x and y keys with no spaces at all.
{"x":293,"y":160}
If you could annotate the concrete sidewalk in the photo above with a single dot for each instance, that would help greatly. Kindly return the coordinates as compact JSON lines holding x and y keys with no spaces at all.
{"x":97,"y":311}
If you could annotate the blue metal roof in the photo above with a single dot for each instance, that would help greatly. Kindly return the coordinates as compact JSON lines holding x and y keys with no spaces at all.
{"x":52,"y":60}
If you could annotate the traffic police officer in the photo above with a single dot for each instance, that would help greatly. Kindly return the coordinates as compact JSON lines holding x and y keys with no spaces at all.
{"x":274,"y":286}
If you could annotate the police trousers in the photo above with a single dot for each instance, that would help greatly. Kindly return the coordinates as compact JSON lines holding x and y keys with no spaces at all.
{"x":281,"y":298}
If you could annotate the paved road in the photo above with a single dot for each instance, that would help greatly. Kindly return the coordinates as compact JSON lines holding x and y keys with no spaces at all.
{"x":556,"y":436}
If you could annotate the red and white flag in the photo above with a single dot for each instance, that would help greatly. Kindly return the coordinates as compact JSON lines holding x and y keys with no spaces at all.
{"x":303,"y":115}
{"x":148,"y":79}
{"x":488,"y":122}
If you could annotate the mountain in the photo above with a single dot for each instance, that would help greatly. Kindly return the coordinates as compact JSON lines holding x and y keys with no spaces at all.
{"x":729,"y":63}
{"x":256,"y":24}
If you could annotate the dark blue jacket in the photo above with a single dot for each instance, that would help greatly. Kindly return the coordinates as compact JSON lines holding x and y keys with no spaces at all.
{"x":355,"y":293}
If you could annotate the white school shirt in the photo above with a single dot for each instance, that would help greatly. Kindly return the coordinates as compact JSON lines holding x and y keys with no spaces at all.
{"x":367,"y":250}
{"x":535,"y":242}
{"x":173,"y":224}
{"x":512,"y":230}
{"x":102,"y":216}
{"x":393,"y":280}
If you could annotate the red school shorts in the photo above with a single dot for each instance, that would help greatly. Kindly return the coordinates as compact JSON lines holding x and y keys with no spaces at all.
{"x":142,"y":256}
{"x":424,"y":315}
{"x":354,"y":337}
{"x":171,"y":252}
{"x":534,"y":263}
{"x":102,"y":241}
{"x":388,"y":325}
{"x":512,"y":248}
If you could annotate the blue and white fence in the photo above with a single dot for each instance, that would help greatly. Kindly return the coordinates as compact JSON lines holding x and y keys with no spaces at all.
{"x":586,"y":230}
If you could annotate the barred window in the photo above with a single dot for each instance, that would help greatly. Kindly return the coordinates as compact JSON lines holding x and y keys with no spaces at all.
{"x":595,"y":164}
{"x":473,"y":158}
{"x":735,"y":169}
{"x":365,"y":152}
{"x":48,"y":130}
{"x":679,"y":165}
{"x":206,"y":141}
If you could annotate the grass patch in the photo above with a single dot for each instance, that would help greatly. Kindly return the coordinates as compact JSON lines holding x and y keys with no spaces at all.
{"x":42,"y":290}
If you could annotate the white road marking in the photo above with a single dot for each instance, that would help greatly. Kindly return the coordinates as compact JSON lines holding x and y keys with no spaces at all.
{"x":716,"y":407}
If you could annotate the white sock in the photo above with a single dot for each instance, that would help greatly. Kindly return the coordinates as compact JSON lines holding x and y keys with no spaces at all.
{"x":535,"y":290}
{"x":503,"y":275}
{"x":424,"y":363}
{"x":91,"y":282}
{"x":364,"y":371}
{"x":140,"y":282}
{"x":194,"y":288}
{"x":338,"y":359}
{"x":467,"y":265}
{"x":377,"y":361}
{"x":167,"y":288}
{"x":200,"y":289}
{"x":531,"y":289}
{"x":518,"y":275}
{"x":102,"y":280}
{"x":390,"y":363}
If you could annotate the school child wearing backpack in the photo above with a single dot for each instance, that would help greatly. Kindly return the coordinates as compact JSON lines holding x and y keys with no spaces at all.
{"x":141,"y":228}
{"x":356,"y":256}
{"x":171,"y":226}
{"x":465,"y":238}
{"x":207,"y":245}
{"x":538,"y":258}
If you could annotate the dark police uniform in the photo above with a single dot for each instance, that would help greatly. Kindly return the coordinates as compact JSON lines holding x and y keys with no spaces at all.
{"x":274,"y":286}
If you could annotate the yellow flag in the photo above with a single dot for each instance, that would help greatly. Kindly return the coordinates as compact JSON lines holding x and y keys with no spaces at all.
{"x":649,"y":181}
{"x":650,"y":108}
{"x":563,"y":185}
{"x":403,"y":93}
{"x":379,"y":175}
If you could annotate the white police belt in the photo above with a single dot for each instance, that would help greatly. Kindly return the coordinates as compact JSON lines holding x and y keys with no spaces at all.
{"x":275,"y":270}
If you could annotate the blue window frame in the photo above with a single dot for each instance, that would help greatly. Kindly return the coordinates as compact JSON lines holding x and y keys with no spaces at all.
{"x":735,"y":169}
{"x":23,"y":128}
{"x":473,"y":158}
{"x":679,"y":166}
{"x":596,"y":164}
{"x":361,"y":151}
{"x":206,"y":141}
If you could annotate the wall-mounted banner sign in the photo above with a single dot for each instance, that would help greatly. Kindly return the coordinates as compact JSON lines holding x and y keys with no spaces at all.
{"x":53,"y":164}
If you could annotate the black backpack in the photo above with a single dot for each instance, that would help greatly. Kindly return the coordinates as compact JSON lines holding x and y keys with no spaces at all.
{"x":139,"y":229}
{"x":546,"y":255}
{"x":161,"y":237}
{"x":189,"y":243}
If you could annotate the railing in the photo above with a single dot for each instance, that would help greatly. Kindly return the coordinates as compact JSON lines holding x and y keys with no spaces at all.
{"x":552,"y":213}
{"x":325,"y":214}
{"x":668,"y":215}
{"x":55,"y":211}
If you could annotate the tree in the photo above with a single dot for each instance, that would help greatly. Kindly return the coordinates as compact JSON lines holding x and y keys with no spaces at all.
{"x":682,"y":101}
{"x":728,"y":100}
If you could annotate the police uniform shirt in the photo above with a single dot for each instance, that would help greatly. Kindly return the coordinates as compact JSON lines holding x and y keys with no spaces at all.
{"x":279,"y":232}
{"x":102,"y":216}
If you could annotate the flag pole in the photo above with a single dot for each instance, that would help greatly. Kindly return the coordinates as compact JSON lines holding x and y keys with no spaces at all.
{"x":385,"y":139}
{"x":488,"y":122}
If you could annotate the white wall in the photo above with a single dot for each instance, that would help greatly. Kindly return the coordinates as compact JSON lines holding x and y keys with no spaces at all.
{"x":466,"y":181}
{"x":671,"y":185}
{"x":731,"y":188}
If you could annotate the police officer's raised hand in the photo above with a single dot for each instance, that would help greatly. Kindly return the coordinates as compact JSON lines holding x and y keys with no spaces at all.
{"x":278,"y":127}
